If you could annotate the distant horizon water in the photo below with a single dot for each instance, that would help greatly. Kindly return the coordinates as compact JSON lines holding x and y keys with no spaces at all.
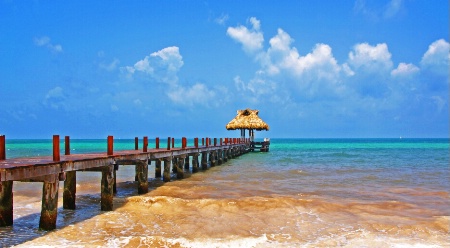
{"x":302,"y":193}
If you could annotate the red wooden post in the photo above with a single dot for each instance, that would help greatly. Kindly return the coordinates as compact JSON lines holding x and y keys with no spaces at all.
{"x":144,"y":148}
{"x":207,"y":141}
{"x":110,"y":145}
{"x":2,"y":147}
{"x":67,"y":145}
{"x":173,"y":142}
{"x":56,"y":148}
{"x":136,"y":143}
{"x":196,"y":142}
{"x":157,"y":143}
{"x":183,"y":142}
{"x":168,"y":143}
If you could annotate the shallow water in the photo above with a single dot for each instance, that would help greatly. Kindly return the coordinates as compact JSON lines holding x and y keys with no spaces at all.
{"x":303,"y":193}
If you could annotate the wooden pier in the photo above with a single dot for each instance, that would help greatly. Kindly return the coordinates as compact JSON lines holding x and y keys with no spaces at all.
{"x":52,"y":169}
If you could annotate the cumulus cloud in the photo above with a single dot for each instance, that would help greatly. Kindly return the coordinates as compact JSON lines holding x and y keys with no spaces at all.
{"x":437,"y":58}
{"x":370,"y":58}
{"x":189,"y":96}
{"x":55,"y":98}
{"x":388,"y":11}
{"x":222,"y":19}
{"x":251,"y":39}
{"x":111,"y":66}
{"x":44,"y":41}
{"x":162,"y":65}
{"x":405,"y":70}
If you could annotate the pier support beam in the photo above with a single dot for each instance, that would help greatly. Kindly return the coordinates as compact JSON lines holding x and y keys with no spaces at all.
{"x":180,"y":168}
{"x":107,"y":188}
{"x":212,"y":158}
{"x":6,"y":203}
{"x":204,"y":161}
{"x":220,"y":157}
{"x":166,"y":174}
{"x":142,"y":176}
{"x":70,"y":188}
{"x":186,"y":163}
{"x":158,"y":168}
{"x":195,"y":163}
{"x":49,"y":210}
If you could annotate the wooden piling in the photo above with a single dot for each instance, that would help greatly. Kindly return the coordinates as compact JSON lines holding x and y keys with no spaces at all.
{"x":168,"y":143}
{"x":145,"y":145}
{"x":6,"y":203}
{"x":195,"y":162}
{"x":173,"y":142}
{"x":180,"y":166}
{"x":212,"y":158}
{"x":158,"y":168}
{"x":207,"y":141}
{"x":110,"y":150}
{"x":157,"y":143}
{"x":107,"y":192}
{"x":136,"y":143}
{"x":66,"y":145}
{"x":196,"y":142}
{"x":174,"y":164}
{"x":56,"y":155}
{"x":166,"y":173}
{"x":183,"y":143}
{"x":49,"y":209}
{"x":186,"y":162}
{"x":204,"y":161}
{"x":2,"y":147}
{"x":70,"y":188}
{"x":142,"y":176}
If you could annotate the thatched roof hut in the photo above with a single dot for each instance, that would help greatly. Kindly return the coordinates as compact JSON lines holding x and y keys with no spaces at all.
{"x":247,"y":119}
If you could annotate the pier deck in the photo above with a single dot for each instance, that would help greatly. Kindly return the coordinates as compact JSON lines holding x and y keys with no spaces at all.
{"x":52,"y":169}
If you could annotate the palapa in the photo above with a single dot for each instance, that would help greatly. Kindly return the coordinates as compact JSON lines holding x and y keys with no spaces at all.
{"x":247,"y":119}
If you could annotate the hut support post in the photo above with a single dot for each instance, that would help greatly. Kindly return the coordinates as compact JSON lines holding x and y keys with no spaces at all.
{"x":6,"y":203}
{"x":49,"y":210}
{"x":70,"y":188}
{"x":166,"y":174}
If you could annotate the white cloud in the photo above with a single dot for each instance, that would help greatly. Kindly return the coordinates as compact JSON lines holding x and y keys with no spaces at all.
{"x":222,"y":19}
{"x":251,"y":39}
{"x":44,"y":41}
{"x":55,"y":98}
{"x":372,"y":59}
{"x":197,"y":94}
{"x":405,"y":70}
{"x":437,"y":57}
{"x":393,"y":8}
{"x":111,"y":66}
{"x":162,"y":65}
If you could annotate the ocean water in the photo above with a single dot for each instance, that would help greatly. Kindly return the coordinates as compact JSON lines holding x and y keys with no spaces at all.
{"x":302,"y":193}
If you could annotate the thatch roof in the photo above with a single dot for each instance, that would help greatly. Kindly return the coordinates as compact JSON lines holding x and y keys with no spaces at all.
{"x":247,"y":119}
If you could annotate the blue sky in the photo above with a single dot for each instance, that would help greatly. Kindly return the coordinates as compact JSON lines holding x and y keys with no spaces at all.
{"x":313,"y":69}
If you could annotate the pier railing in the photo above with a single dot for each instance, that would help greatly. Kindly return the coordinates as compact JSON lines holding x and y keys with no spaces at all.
{"x":52,"y":169}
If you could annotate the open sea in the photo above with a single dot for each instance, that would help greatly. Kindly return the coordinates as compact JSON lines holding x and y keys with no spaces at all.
{"x":302,"y":193}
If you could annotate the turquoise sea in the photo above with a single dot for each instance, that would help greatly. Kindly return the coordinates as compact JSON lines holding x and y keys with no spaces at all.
{"x":302,"y":193}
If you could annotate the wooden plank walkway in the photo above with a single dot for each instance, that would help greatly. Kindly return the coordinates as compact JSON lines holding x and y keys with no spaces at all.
{"x":52,"y":169}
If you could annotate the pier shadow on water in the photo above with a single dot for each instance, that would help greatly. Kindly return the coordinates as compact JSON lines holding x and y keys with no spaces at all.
{"x":26,"y":228}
